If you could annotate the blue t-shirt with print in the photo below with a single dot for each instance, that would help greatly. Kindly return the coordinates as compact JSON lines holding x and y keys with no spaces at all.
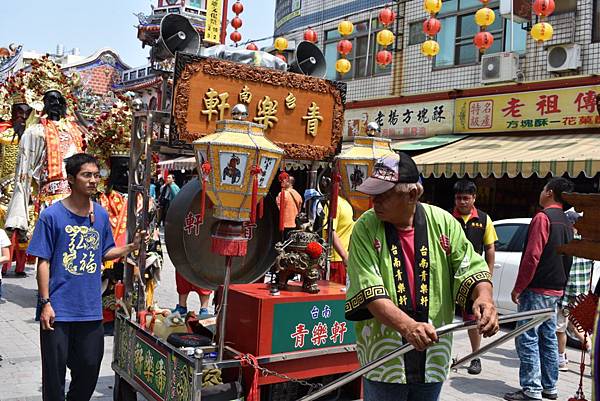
{"x":74,"y":247}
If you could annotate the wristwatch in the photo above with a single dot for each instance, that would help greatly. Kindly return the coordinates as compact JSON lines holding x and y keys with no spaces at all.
{"x":44,"y":301}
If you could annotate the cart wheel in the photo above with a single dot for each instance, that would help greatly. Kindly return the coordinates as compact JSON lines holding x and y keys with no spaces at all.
{"x":123,"y":390}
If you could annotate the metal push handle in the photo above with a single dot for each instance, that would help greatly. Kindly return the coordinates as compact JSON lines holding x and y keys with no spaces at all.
{"x":534,"y":317}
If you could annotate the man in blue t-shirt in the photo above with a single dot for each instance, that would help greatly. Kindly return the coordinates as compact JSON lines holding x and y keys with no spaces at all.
{"x":71,"y":239}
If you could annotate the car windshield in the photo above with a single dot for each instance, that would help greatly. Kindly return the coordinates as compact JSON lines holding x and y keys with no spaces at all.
{"x":506,"y":238}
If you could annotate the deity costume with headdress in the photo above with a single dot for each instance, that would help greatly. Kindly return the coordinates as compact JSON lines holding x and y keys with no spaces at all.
{"x":43,"y":148}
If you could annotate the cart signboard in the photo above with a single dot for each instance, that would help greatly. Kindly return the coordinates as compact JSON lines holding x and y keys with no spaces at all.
{"x":162,"y":373}
{"x":300,"y":326}
{"x":303,"y":115}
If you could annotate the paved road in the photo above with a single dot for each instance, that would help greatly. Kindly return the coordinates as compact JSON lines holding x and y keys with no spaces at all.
{"x":20,"y":373}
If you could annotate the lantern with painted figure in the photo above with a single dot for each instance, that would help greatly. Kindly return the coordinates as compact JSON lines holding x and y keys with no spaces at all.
{"x":355,"y":165}
{"x":233,"y":151}
{"x":238,"y":164}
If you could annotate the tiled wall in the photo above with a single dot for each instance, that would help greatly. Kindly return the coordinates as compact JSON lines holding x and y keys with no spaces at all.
{"x":417,"y":75}
{"x":336,"y":10}
{"x":420,"y":77}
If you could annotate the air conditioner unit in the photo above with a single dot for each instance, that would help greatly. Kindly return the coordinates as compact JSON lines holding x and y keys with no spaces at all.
{"x":563,"y":57}
{"x":499,"y":67}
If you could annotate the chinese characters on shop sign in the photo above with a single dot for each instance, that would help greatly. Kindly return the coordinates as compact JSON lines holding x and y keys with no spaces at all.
{"x":216,"y":104}
{"x":403,"y":121}
{"x":551,"y":109}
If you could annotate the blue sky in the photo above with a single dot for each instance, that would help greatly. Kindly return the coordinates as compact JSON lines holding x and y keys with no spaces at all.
{"x":90,"y":25}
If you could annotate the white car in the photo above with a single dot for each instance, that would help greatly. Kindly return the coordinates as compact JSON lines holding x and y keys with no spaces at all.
{"x":511,"y":240}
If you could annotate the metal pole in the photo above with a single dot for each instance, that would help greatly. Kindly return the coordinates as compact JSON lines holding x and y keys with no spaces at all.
{"x":368,"y":43}
{"x":536,"y":317}
{"x":512,"y":27}
{"x":223,"y":307}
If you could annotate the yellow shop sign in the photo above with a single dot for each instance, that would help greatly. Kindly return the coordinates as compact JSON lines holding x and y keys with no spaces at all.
{"x":553,"y":109}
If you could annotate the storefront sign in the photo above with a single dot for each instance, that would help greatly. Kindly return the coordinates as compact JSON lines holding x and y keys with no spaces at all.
{"x":286,"y":10}
{"x":301,"y":114}
{"x":214,"y":10}
{"x":301,"y":326}
{"x":416,"y":120}
{"x":529,"y":111}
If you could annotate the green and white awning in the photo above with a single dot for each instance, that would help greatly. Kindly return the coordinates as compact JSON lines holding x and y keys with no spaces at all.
{"x":557,"y":154}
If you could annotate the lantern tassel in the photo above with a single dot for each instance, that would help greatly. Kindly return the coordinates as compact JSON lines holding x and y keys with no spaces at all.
{"x":261,"y":208}
{"x":254,"y":202}
{"x":205,"y":172}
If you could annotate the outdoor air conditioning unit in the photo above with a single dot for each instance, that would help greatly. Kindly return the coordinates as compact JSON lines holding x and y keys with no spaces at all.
{"x":563,"y":57}
{"x":499,"y":67}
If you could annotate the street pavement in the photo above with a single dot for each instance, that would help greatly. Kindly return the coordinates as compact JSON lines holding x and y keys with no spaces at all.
{"x":20,"y":371}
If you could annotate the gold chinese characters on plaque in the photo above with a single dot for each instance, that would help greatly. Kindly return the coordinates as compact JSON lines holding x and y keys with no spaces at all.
{"x":304,"y":115}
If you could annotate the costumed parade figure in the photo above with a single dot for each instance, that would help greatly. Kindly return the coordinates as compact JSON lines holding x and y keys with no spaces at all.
{"x":14,"y":114}
{"x":47,"y":140}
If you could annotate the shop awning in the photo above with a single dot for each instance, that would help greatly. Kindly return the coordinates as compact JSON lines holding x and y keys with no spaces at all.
{"x":570,"y":153}
{"x":185,"y":162}
{"x":426,"y":143}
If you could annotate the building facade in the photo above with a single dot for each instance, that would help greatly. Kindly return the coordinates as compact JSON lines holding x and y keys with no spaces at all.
{"x":509,"y":119}
{"x":366,"y":80}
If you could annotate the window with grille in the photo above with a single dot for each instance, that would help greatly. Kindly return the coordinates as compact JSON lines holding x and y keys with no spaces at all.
{"x":459,"y":30}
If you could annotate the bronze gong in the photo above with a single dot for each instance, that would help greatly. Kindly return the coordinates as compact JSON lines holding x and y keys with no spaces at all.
{"x":190,"y":252}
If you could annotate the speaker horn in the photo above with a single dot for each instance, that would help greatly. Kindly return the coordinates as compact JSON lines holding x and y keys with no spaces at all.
{"x":177,"y":34}
{"x":308,"y":59}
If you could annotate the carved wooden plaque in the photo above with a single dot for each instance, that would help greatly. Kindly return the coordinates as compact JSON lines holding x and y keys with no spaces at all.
{"x":302,"y":114}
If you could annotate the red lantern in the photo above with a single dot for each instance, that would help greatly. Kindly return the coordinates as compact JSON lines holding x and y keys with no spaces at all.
{"x":432,"y":26}
{"x":235,"y":36}
{"x":251,"y":46}
{"x":483,"y":40}
{"x":543,"y":8}
{"x":344,"y":47}
{"x":384,"y":57}
{"x":310,"y":35}
{"x":237,"y":8}
{"x":484,"y":1}
{"x":282,"y":57}
{"x":236,"y":22}
{"x":386,"y":16}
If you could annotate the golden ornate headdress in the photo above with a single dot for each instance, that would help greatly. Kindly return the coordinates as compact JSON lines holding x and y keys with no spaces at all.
{"x":46,"y":76}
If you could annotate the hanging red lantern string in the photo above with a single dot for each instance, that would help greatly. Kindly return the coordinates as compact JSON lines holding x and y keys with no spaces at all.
{"x":431,"y":27}
{"x":384,"y":57}
{"x":344,"y":47}
{"x":237,"y":8}
{"x":543,"y":8}
{"x":484,"y":17}
{"x":255,"y":171}
{"x":387,"y":16}
{"x":251,"y":46}
{"x":236,"y":22}
{"x":385,"y":37}
{"x":283,"y":176}
{"x":310,"y":35}
{"x":206,"y":168}
{"x":345,"y":28}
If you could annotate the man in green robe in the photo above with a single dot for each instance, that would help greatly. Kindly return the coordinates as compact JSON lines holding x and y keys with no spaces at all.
{"x":409,"y":264}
